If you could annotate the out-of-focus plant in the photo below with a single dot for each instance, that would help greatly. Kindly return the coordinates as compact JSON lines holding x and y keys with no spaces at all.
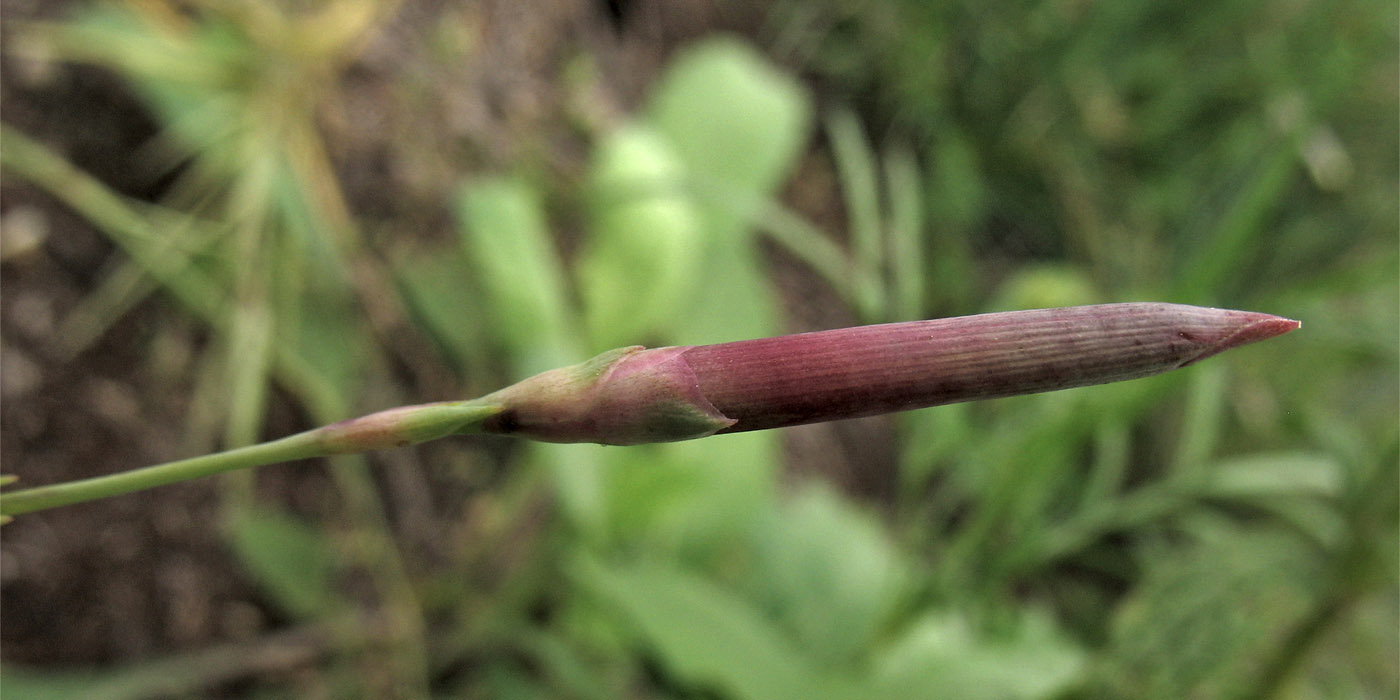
{"x":255,"y":239}
{"x":1074,"y":153}
{"x":254,"y":230}
{"x":1114,"y":540}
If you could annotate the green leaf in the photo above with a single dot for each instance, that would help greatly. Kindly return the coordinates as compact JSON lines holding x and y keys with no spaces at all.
{"x":1206,"y":616}
{"x":906,"y":235}
{"x":958,"y":192}
{"x":521,"y":278}
{"x":246,"y":366}
{"x":855,"y":165}
{"x":325,"y":329}
{"x":942,"y":656}
{"x":435,"y":283}
{"x":1299,"y":488}
{"x":706,"y":636}
{"x":290,"y":561}
{"x":1043,"y":287}
{"x":1264,"y":476}
{"x":732,"y":116}
{"x":738,"y":125}
{"x":654,"y":495}
{"x":1241,"y":229}
{"x":691,"y":499}
{"x":828,"y":573}
{"x":640,"y":263}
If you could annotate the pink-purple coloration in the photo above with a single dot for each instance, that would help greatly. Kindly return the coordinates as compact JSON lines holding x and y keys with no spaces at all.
{"x":636,"y":395}
{"x":852,"y":372}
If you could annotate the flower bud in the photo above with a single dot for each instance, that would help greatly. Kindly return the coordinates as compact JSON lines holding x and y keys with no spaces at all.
{"x":635,"y":395}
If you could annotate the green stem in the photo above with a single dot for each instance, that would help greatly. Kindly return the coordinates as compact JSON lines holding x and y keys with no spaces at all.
{"x":395,"y":427}
{"x":292,"y":447}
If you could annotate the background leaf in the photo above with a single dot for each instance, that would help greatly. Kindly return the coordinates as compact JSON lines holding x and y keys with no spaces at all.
{"x":291,"y":562}
{"x":707,"y":636}
{"x":941,"y":656}
{"x":505,"y":231}
{"x":640,"y":266}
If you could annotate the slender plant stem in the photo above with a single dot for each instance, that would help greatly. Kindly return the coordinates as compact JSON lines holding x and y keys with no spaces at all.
{"x":395,"y":427}
{"x":299,"y":446}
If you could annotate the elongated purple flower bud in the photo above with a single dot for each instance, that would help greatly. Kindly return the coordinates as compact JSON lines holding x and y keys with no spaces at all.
{"x":635,"y":395}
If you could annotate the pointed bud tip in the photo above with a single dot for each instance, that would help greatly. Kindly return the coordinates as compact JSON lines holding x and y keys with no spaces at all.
{"x":1253,"y":328}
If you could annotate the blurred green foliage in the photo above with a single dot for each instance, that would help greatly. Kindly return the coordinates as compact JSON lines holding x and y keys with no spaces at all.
{"x":1226,"y":531}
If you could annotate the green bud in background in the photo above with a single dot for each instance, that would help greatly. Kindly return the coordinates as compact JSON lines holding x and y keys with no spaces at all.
{"x":638,"y":267}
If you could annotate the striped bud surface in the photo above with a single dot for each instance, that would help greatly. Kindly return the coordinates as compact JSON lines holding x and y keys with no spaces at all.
{"x":678,"y":393}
